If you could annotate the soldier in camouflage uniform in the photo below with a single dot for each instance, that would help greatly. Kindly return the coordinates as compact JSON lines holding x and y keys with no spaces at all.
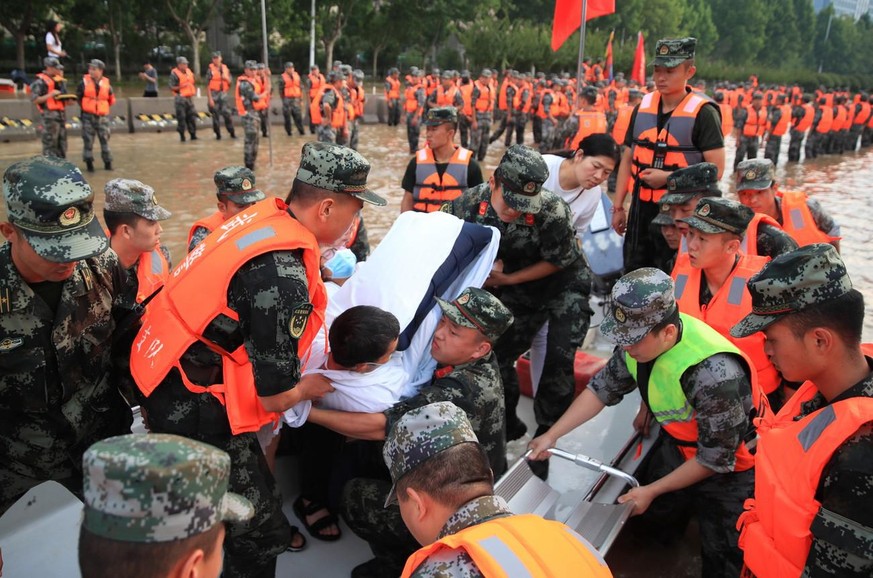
{"x":235,"y":192}
{"x":291,"y":104}
{"x":186,"y":115}
{"x":415,"y":84}
{"x":540,"y":275}
{"x":468,"y":376}
{"x":813,"y":319}
{"x":330,"y":100}
{"x":480,"y":127}
{"x":218,"y":76}
{"x":709,"y":473}
{"x":264,"y":76}
{"x":273,"y":300}
{"x":747,"y":146}
{"x":251,"y":119}
{"x":756,"y":188}
{"x":95,"y":121}
{"x":54,"y":117}
{"x":445,"y":489}
{"x":685,"y":187}
{"x":59,"y":307}
{"x":156,"y":504}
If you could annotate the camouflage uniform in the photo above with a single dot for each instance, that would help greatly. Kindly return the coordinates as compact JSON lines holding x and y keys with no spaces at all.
{"x":747,"y":146}
{"x":413,"y":120}
{"x":842,"y":530}
{"x":54,"y":122}
{"x":251,"y":120}
{"x":290,"y":106}
{"x":560,"y":298}
{"x":95,"y":124}
{"x":186,"y":116}
{"x":266,"y":293}
{"x":152,"y":488}
{"x":56,"y":337}
{"x":480,"y":135}
{"x":327,"y":133}
{"x":774,"y":142}
{"x":222,"y":106}
{"x":719,"y":391}
{"x":548,"y":125}
{"x":264,"y":114}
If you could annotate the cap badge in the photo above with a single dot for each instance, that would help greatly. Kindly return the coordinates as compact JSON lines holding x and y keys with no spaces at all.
{"x":70,"y":217}
{"x":619,"y":315}
{"x":530,"y":187}
{"x":664,"y":50}
{"x":246,"y":184}
{"x":750,"y":175}
{"x":464,"y":299}
{"x":671,"y":184}
{"x":704,"y":210}
{"x":154,"y":200}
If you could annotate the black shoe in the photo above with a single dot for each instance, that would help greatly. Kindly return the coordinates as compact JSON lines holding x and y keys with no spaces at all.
{"x":218,"y":136}
{"x":90,"y":165}
{"x":233,"y":135}
{"x":108,"y":166}
{"x":515,"y":430}
{"x":182,"y":137}
{"x":540,"y":469}
{"x":193,"y":137}
{"x":250,"y":167}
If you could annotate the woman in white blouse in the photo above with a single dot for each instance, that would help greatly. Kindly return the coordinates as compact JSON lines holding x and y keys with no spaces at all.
{"x":53,"y":40}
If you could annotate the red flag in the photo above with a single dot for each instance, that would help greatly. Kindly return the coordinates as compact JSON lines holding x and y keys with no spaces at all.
{"x":638,"y":72}
{"x":568,"y":17}
{"x":608,"y":70}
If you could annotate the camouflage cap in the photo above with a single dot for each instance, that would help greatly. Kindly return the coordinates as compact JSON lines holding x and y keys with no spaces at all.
{"x":672,"y":52}
{"x":486,"y":72}
{"x":237,"y":184}
{"x":448,"y":74}
{"x":216,"y":54}
{"x":48,"y":200}
{"x":478,"y":309}
{"x":50,"y":62}
{"x":640,"y":300}
{"x":358,"y":75}
{"x":251,"y":64}
{"x":289,"y":65}
{"x":337,"y":168}
{"x":130,"y":196}
{"x":792,"y":282}
{"x":421,"y":434}
{"x":689,"y":182}
{"x":718,"y":215}
{"x":441,"y":115}
{"x":95,"y":63}
{"x":181,"y":60}
{"x":663,"y":218}
{"x":157,"y":488}
{"x":755,"y":174}
{"x":523,"y":172}
{"x":262,"y":66}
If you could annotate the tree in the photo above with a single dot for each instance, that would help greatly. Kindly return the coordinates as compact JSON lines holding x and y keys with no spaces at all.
{"x":741,"y":27}
{"x":192,"y":15}
{"x":20,"y":18}
{"x":333,"y":19}
{"x":114,"y":14}
{"x":287,"y":23}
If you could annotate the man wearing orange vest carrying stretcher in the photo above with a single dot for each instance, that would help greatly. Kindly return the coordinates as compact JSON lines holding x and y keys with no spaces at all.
{"x":445,"y":489}
{"x":812,"y":514}
{"x":218,"y":355}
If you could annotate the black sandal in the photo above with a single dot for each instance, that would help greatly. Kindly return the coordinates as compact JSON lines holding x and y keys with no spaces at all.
{"x":314,"y":529}
{"x":295,"y":531}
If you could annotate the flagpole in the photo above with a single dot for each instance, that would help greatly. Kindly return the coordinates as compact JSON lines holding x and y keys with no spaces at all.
{"x":581,"y":49}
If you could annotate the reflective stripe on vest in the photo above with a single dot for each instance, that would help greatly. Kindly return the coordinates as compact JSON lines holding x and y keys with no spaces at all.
{"x":520,"y":546}
{"x":218,"y":78}
{"x":775,"y":531}
{"x":196,"y":293}
{"x":186,"y":86}
{"x":151,"y":274}
{"x":797,"y":219}
{"x":96,"y":101}
{"x":674,"y":142}
{"x":667,"y":401}
{"x":727,"y":307}
{"x":430,"y":189}
{"x":292,"y":85}
{"x":52,"y":103}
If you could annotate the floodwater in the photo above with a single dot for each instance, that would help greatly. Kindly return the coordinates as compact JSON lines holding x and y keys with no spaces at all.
{"x":181,"y":174}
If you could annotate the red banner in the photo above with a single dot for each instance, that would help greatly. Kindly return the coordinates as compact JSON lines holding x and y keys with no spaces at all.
{"x":568,"y":17}
{"x":638,"y":72}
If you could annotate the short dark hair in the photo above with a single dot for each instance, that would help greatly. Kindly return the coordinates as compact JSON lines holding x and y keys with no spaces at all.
{"x":114,"y":220}
{"x":843,"y":315}
{"x":671,"y":319}
{"x":453,"y":477}
{"x":101,"y":557}
{"x":362,"y":334}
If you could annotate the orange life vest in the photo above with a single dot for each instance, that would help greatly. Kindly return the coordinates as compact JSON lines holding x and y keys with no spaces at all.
{"x":446,"y":97}
{"x":670,"y":148}
{"x":840,"y":116}
{"x":393,"y":92}
{"x":699,"y":342}
{"x":52,"y":103}
{"x":775,"y":529}
{"x":622,"y":122}
{"x":590,"y":122}
{"x":749,"y":244}
{"x":467,"y":96}
{"x":519,"y":101}
{"x":560,"y":106}
{"x":209,"y":223}
{"x":730,"y":303}
{"x":97,"y":97}
{"x":338,"y":113}
{"x":432,"y":190}
{"x":502,"y":103}
{"x":292,"y":85}
{"x":194,"y":296}
{"x":522,"y":545}
{"x":541,"y":107}
{"x":797,"y":220}
{"x":484,"y":103}
{"x":863,"y":115}
{"x":151,"y":274}
{"x":782,"y":126}
{"x":806,"y":120}
{"x":826,"y":120}
{"x":358,"y":98}
{"x":219,"y":79}
{"x":727,"y":119}
{"x":411,"y":93}
{"x":186,"y":86}
{"x":316,"y":80}
{"x":756,"y":122}
{"x":259,"y":104}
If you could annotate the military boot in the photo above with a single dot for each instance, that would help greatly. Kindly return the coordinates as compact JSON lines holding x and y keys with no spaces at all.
{"x":90,"y":165}
{"x":107,"y":165}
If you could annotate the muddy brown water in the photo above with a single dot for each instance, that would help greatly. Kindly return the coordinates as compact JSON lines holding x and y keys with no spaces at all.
{"x":181,"y":174}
